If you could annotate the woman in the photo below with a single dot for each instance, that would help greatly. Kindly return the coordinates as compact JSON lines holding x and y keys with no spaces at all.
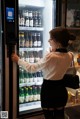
{"x":54,"y":65}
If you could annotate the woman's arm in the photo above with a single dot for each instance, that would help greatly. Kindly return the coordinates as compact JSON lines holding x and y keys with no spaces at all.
{"x":40,"y":65}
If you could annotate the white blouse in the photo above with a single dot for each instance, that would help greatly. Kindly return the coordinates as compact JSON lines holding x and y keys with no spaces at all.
{"x":54,"y":65}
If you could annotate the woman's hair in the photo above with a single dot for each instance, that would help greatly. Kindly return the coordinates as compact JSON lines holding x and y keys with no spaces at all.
{"x":62,"y":35}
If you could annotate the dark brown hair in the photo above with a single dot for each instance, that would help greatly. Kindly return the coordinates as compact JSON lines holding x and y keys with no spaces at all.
{"x":62,"y":35}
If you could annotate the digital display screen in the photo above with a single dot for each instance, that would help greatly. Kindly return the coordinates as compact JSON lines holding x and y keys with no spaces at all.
{"x":9,"y":14}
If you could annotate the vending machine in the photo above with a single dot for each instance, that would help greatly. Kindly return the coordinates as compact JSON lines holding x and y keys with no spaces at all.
{"x":25,"y":31}
{"x":35,"y":19}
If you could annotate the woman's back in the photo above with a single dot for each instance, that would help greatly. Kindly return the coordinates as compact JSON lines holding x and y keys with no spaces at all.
{"x":57,"y":65}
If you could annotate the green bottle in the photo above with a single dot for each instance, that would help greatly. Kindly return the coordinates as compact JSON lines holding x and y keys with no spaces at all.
{"x":30,"y":77}
{"x":26,"y":77}
{"x":30,"y":94}
{"x":21,"y":95}
{"x":38,"y":92}
{"x":26,"y":94}
{"x":34,"y":93}
{"x":21,"y":75}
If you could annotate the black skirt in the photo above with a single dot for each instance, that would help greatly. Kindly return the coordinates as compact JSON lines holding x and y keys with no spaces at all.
{"x":53,"y":94}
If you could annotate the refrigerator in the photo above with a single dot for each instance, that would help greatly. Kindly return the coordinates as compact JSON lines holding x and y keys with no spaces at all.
{"x":25,"y":31}
{"x":35,"y":20}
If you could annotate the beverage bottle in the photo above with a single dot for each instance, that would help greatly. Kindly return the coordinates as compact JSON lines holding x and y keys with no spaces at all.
{"x":38,"y":76}
{"x":35,"y":93}
{"x":30,"y":77}
{"x":26,"y":77}
{"x":31,"y":58}
{"x":38,"y":40}
{"x":26,"y":94}
{"x":26,"y":18}
{"x":21,"y":95}
{"x":37,"y":56}
{"x":30,"y":41}
{"x":27,"y":40}
{"x":30,"y":19}
{"x":34,"y":56}
{"x":41,"y":75}
{"x":30,"y":93}
{"x":35,"y":23}
{"x":38,"y":92}
{"x":19,"y":20}
{"x":39,"y":19}
{"x":23,"y":39}
{"x":22,"y":55}
{"x":21,"y":75}
{"x":35,"y":78}
{"x":20,"y":41}
{"x":27,"y":56}
{"x":35,"y":40}
{"x":22,"y":20}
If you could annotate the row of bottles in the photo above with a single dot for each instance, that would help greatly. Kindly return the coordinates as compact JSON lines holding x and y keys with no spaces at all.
{"x":25,"y":77}
{"x":30,"y":39}
{"x":30,"y":56}
{"x":29,"y":94}
{"x":30,"y":18}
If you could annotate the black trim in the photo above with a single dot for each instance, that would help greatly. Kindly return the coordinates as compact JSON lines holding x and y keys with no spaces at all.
{"x":10,"y":84}
{"x":63,"y":50}
{"x":3,"y":57}
{"x":17,"y":35}
{"x":65,"y":12}
{"x":58,"y":12}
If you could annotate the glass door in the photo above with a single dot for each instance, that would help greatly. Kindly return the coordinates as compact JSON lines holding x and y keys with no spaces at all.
{"x":36,"y":19}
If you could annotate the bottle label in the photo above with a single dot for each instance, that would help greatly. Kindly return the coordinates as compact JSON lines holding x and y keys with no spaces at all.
{"x":22,"y":21}
{"x":21,"y":99}
{"x":35,"y":43}
{"x":22,"y":80}
{"x":23,"y":42}
{"x":38,"y":97}
{"x":27,"y":43}
{"x":31,"y":79}
{"x":30,"y":98}
{"x":31,"y":60}
{"x":30,"y":44}
{"x":27,"y":59}
{"x":27,"y":98}
{"x":27,"y":23}
{"x":35,"y":97}
{"x":35,"y":79}
{"x":39,"y":43}
{"x":31,"y":23}
{"x":26,"y":80}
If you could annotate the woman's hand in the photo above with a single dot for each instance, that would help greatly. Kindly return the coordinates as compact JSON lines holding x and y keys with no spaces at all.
{"x":15,"y":58}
